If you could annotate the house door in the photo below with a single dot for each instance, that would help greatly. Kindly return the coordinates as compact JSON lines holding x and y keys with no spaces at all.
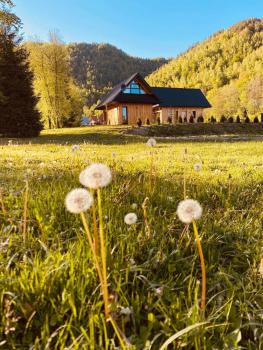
{"x":124,"y":115}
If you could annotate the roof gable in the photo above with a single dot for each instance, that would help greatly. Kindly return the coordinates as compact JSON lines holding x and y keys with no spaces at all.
{"x":180,"y":97}
{"x":117,"y":93}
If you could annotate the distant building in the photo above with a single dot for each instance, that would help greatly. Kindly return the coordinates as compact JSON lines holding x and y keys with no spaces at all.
{"x":85,"y":121}
{"x":135,"y":99}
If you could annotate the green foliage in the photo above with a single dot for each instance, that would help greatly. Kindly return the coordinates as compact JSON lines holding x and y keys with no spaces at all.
{"x":98,"y":67}
{"x":18,"y":114}
{"x":60,"y":100}
{"x":8,"y":18}
{"x":228,"y":67}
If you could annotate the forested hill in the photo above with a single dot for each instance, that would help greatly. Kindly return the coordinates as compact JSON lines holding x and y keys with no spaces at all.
{"x":228,"y":67}
{"x":98,"y":67}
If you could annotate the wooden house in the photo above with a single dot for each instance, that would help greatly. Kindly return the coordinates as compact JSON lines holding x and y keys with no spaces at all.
{"x":134,"y":99}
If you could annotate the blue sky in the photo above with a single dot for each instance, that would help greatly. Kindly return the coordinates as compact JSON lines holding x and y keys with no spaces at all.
{"x":145,"y":28}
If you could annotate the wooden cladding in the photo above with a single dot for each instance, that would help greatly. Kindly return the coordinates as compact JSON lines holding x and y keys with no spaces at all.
{"x":134,"y":113}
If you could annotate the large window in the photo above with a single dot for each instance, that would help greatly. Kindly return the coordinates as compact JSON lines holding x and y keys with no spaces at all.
{"x":134,"y":88}
{"x":124,"y":115}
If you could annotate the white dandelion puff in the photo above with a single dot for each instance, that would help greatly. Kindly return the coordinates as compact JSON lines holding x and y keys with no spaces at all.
{"x":159,"y":291}
{"x":189,"y":210}
{"x":197,"y":167}
{"x":151,"y":142}
{"x":134,"y":206}
{"x":78,"y":200}
{"x":125,"y":311}
{"x":75,"y":148}
{"x":130,"y":219}
{"x":95,"y":176}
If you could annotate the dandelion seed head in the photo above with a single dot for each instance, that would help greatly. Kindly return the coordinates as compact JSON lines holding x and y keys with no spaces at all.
{"x":134,"y":206}
{"x":197,"y":167}
{"x":130,"y":219}
{"x":159,"y":291}
{"x":189,"y":210}
{"x":78,"y":200}
{"x":126,"y":311}
{"x":95,"y":176}
{"x":151,"y":142}
{"x":75,"y":148}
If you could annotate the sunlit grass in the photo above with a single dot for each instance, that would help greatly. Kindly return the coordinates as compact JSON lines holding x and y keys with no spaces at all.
{"x":49,"y":291}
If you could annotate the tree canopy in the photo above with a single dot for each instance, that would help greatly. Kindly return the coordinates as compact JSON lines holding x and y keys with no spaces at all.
{"x":227,"y":67}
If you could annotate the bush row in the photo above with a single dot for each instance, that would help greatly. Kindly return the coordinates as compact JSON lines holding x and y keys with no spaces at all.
{"x":200,"y":119}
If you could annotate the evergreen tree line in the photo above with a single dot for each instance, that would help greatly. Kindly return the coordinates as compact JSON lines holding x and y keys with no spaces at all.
{"x":19,"y":115}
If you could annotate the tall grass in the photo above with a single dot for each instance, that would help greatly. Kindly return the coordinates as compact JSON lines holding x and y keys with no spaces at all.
{"x":50,"y":293}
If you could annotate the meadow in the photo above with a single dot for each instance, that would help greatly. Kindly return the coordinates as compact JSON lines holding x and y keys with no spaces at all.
{"x":49,"y":290}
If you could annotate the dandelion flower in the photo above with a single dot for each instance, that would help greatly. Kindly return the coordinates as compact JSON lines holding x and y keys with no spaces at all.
{"x":189,"y":210}
{"x":95,"y":176}
{"x":197,"y":167}
{"x":151,"y":142}
{"x":78,"y":200}
{"x":130,"y":219}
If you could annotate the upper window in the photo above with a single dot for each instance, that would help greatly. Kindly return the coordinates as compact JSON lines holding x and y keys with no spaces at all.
{"x":133,"y":88}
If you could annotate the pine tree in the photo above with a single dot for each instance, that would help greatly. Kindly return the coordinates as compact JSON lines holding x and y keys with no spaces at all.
{"x":18,"y":113}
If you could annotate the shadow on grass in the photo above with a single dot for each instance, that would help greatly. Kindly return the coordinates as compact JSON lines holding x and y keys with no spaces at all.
{"x":108,"y":135}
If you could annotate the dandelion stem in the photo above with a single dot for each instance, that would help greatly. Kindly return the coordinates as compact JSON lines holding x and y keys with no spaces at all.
{"x":86,"y":227}
{"x":24,"y":227}
{"x":103,"y":255}
{"x":96,"y":238}
{"x":202,"y":260}
{"x":151,"y":173}
{"x":184,"y":181}
{"x":146,"y":222}
{"x":121,"y":336}
{"x":2,"y":203}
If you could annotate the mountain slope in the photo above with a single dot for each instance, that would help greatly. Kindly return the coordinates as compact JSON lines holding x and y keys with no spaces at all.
{"x":228,"y":67}
{"x":98,"y":67}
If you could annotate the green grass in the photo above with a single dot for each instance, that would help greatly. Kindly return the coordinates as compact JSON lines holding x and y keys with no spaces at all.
{"x":49,"y":290}
{"x":201,"y":129}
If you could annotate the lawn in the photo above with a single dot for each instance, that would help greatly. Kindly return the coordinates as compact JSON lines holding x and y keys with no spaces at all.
{"x":50,"y":295}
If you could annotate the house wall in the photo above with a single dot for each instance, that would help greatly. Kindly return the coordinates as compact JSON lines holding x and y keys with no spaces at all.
{"x":165,"y":112}
{"x":135,"y":111}
{"x":112,"y":115}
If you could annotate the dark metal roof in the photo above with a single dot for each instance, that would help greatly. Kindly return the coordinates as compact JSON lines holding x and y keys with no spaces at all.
{"x":165,"y":97}
{"x":116,"y":95}
{"x":179,"y":97}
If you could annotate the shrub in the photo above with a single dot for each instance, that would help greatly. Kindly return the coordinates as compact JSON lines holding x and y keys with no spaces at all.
{"x":191,"y":120}
{"x":158,"y":121}
{"x":247,"y":120}
{"x":222,"y":119}
{"x":169,"y":120}
{"x":212,"y":120}
{"x":180,"y":120}
{"x":200,"y":119}
{"x":139,"y":122}
{"x":185,"y":119}
{"x":256,"y":120}
{"x":238,"y":119}
{"x":148,"y":121}
{"x":230,"y":120}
